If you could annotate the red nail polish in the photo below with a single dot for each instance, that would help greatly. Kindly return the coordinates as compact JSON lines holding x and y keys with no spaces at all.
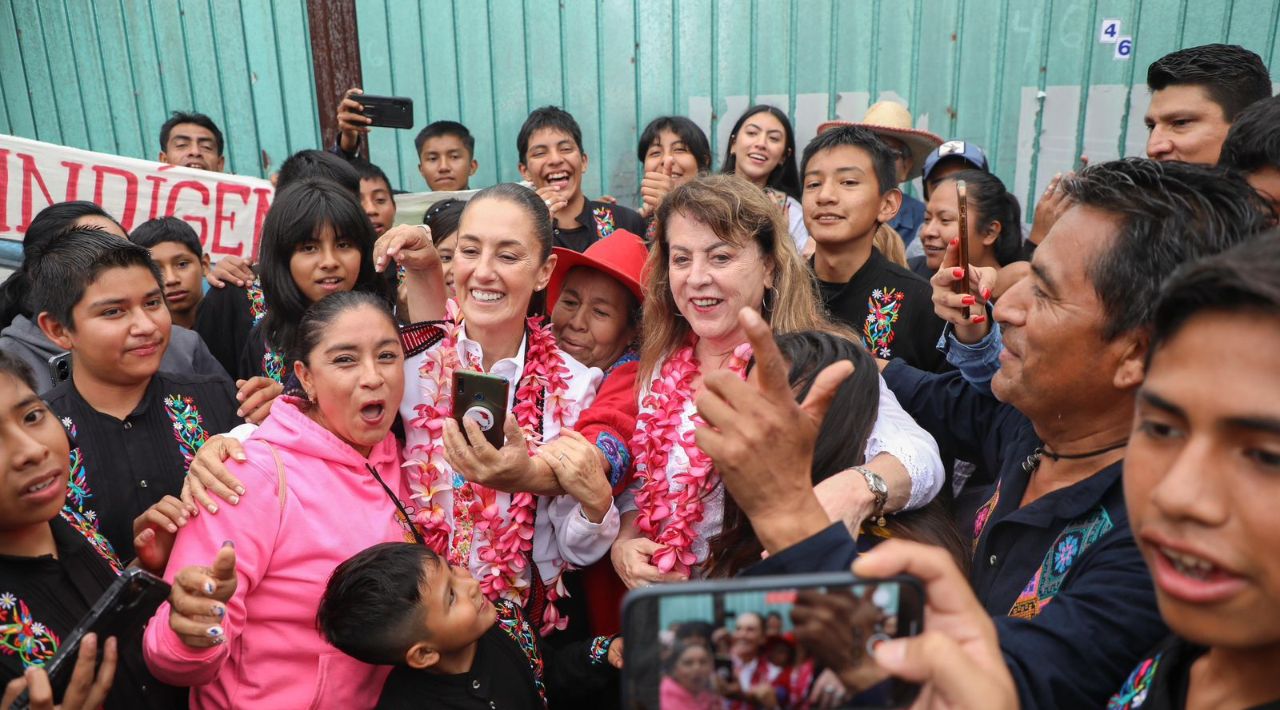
{"x":957,"y":272}
{"x":968,"y":300}
{"x":986,"y":294}
{"x":955,"y":242}
{"x":979,"y":319}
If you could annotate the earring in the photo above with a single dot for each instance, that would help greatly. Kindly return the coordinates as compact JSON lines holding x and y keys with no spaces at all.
{"x":766,"y":304}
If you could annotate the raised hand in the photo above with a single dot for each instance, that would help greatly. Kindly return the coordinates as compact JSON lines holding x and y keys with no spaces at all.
{"x":199,"y":598}
{"x":352,"y":123}
{"x":655,"y":186}
{"x":554,"y":198}
{"x":231,"y":269}
{"x":950,"y":305}
{"x":410,"y":246}
{"x":155,"y":530}
{"x":207,"y":473}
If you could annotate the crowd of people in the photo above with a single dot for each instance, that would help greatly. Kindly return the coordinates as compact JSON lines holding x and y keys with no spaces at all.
{"x":779,"y":367}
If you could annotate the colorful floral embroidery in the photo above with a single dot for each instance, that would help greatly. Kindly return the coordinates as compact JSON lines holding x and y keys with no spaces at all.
{"x":188,"y":426}
{"x":882,"y":313}
{"x":85,"y":523}
{"x":615,"y":452}
{"x":257,"y":304}
{"x":273,"y":365}
{"x":599,"y":650}
{"x":1134,"y":691}
{"x":20,"y":635}
{"x":604,"y":221}
{"x":1071,"y":543}
{"x":77,"y":482}
{"x":513,"y":624}
{"x":984,"y":514}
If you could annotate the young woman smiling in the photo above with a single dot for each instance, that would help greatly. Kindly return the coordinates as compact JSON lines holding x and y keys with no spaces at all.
{"x":762,"y":149}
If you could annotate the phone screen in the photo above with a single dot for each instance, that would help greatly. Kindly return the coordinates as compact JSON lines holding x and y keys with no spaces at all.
{"x":740,"y":640}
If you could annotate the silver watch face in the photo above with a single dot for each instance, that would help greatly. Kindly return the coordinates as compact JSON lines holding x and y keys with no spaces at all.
{"x":876,"y":483}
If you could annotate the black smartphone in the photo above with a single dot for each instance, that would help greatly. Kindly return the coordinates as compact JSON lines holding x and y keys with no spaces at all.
{"x":122,"y":611}
{"x":482,"y":399}
{"x":60,"y":368}
{"x":870,"y":610}
{"x":387,"y":111}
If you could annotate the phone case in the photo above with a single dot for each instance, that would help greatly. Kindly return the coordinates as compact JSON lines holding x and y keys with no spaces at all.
{"x":483,"y":399}
{"x":387,"y":111}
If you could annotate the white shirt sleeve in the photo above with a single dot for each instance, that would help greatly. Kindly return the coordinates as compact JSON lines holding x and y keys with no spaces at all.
{"x":898,"y":435}
{"x":795,"y":220}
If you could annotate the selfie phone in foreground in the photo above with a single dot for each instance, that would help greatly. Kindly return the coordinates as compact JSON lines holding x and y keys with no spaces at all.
{"x":482,"y":399}
{"x":869,"y":611}
{"x":962,"y":200}
{"x":122,"y":611}
{"x":60,"y":368}
{"x":387,"y":111}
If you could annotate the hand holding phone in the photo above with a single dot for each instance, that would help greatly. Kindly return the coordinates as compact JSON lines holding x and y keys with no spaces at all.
{"x":86,"y":690}
{"x":961,"y":285}
{"x":481,"y":398}
{"x":387,"y":111}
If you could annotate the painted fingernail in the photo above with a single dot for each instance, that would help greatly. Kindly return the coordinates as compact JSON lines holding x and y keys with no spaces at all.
{"x":968,"y":300}
{"x":239,"y":412}
{"x":213,"y":508}
{"x":957,"y":272}
{"x":229,"y":543}
{"x":208,"y":586}
{"x":955,"y":242}
{"x":235,"y":500}
{"x":220,"y":640}
{"x":214,"y":632}
{"x":220,"y":611}
{"x":986,"y":294}
{"x":979,"y":319}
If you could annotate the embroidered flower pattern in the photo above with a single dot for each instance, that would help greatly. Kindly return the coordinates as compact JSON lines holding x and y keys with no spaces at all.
{"x":604,"y":221}
{"x":1135,"y":690}
{"x":670,"y":503}
{"x":1072,"y":542}
{"x":882,"y":313}
{"x":513,"y":624}
{"x":984,"y":514}
{"x":188,"y":426}
{"x":273,"y":365}
{"x":85,"y":524}
{"x":257,"y":303}
{"x":20,"y":635}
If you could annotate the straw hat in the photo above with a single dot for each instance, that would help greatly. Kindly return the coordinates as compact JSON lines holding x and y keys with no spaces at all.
{"x":892,"y":119}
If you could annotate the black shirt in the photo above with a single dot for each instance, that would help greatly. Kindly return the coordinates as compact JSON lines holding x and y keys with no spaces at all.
{"x":1161,"y":680}
{"x":1072,"y":598}
{"x":919,"y":265}
{"x":509,"y":671}
{"x":892,"y":309}
{"x":121,"y":468}
{"x":43,"y":599}
{"x":224,"y":319}
{"x":597,"y":221}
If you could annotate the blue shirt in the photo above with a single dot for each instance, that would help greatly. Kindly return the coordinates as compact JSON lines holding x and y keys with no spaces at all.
{"x":909,"y":218}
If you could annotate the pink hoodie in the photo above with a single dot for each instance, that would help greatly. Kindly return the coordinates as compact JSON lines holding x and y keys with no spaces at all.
{"x":333,"y":508}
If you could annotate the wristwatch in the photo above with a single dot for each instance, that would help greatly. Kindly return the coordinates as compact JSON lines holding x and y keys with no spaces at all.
{"x":878,"y":489}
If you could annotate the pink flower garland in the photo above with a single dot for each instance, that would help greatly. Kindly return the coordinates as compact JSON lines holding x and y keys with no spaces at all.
{"x":508,"y":538}
{"x":666,"y":516}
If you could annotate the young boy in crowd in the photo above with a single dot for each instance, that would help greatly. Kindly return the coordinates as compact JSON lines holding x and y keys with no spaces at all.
{"x":1253,"y":148}
{"x":1196,"y":94}
{"x":175,"y":248}
{"x":446,"y":156}
{"x":53,"y":563}
{"x":849,"y":190}
{"x":136,"y":428}
{"x":399,"y":604}
{"x":375,"y":195}
{"x":553,"y":161}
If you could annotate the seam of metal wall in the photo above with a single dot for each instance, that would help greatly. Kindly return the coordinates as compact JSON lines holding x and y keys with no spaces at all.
{"x":834,"y":11}
{"x":953,"y":111}
{"x":1275,"y":24}
{"x":102,"y":61}
{"x":1086,"y":73}
{"x":1043,"y":68}
{"x":993,"y":150}
{"x":1129,"y":72}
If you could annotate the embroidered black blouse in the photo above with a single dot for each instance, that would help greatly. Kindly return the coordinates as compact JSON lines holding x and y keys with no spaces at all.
{"x":597,"y":221}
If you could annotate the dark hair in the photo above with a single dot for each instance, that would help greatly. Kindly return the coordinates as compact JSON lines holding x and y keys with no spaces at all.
{"x":368,"y":171}
{"x":199,"y":119}
{"x":443,"y":219}
{"x":1244,"y":278}
{"x":986,"y":195}
{"x":319,"y":315}
{"x":444,"y":128}
{"x":842,"y":438}
{"x":1231,"y":75}
{"x":692,"y":629}
{"x":678,"y":650}
{"x":297,"y":216}
{"x":883,"y":159}
{"x":317,"y":164}
{"x":372,"y":606}
{"x":49,"y":224}
{"x":14,"y":367}
{"x":689,"y":133}
{"x":552,"y":117}
{"x":528,"y":201}
{"x":784,"y":177}
{"x":167,"y":229}
{"x":63,"y":269}
{"x":1170,"y":213}
{"x":1253,"y":142}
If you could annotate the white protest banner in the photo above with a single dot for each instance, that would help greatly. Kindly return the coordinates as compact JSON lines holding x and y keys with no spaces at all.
{"x":411,"y":207}
{"x":225,"y":210}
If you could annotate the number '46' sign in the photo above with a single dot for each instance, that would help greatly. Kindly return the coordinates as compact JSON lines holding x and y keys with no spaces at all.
{"x":1110,"y":32}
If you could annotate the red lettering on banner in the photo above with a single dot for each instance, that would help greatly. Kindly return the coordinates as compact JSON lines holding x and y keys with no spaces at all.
{"x":73,"y":180}
{"x":130,"y":191}
{"x":195,"y":220}
{"x":4,"y":190}
{"x":30,"y":176}
{"x":157,"y":182}
{"x":223,"y":189}
{"x":264,"y":203}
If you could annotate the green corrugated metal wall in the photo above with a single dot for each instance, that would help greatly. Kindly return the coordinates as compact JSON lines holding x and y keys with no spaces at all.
{"x":102,"y":75}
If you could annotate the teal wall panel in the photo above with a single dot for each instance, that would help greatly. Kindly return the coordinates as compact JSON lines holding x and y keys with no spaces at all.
{"x":104,"y":74}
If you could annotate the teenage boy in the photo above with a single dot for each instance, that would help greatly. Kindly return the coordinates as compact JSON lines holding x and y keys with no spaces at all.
{"x":399,"y":604}
{"x":175,"y":248}
{"x":1253,"y":148}
{"x":191,"y":140}
{"x":552,"y":160}
{"x":850,"y":188}
{"x":1196,"y":94}
{"x":375,"y":195}
{"x":53,"y":563}
{"x":136,"y":428}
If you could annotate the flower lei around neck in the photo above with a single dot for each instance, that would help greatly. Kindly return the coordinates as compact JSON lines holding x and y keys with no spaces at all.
{"x":672,"y":504}
{"x":504,"y":556}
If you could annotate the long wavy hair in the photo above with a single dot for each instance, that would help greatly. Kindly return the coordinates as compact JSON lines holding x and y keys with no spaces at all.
{"x":738,"y":213}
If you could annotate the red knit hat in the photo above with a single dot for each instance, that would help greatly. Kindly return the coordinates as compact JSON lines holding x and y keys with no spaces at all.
{"x":621,"y":255}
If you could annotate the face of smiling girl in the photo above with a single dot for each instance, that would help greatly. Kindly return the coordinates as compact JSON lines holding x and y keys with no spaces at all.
{"x":759,"y":147}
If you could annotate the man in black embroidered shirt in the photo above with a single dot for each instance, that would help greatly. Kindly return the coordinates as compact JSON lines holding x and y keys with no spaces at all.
{"x":136,"y":428}
{"x":399,"y":604}
{"x":850,"y":189}
{"x":552,"y":160}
